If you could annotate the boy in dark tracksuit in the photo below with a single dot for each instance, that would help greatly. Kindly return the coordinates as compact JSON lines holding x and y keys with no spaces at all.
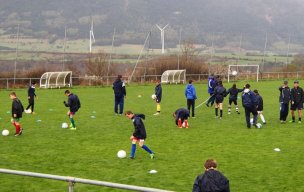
{"x":233,"y":91}
{"x":249,"y":102}
{"x":74,"y":105}
{"x":219,"y":93}
{"x":158,"y":92}
{"x":211,"y":180}
{"x":17,"y":110}
{"x":139,"y":135}
{"x":296,"y":98}
{"x":284,"y":101}
{"x":31,"y":96}
{"x":181,"y":116}
{"x":120,"y":93}
{"x":260,"y":105}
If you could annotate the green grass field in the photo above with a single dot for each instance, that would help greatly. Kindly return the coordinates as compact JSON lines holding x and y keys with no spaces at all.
{"x":246,"y":157}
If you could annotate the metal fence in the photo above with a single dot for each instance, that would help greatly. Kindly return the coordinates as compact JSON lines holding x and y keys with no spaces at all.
{"x":72,"y":180}
{"x":11,"y":83}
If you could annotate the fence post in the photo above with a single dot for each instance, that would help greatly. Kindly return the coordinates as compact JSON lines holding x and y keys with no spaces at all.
{"x":7,"y":83}
{"x":71,"y":186}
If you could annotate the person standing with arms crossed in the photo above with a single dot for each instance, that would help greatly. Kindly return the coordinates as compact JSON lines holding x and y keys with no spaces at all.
{"x":190,"y":94}
{"x":296,"y":98}
{"x":120,"y":93}
{"x":158,"y":93}
{"x":284,"y":101}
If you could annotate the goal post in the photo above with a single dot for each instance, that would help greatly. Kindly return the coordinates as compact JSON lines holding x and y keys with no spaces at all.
{"x":243,"y":70}
{"x":56,"y":79}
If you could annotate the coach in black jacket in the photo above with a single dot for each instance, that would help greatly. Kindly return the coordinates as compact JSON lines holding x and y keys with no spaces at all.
{"x":284,"y":101}
{"x":212,"y":180}
{"x":119,"y":93}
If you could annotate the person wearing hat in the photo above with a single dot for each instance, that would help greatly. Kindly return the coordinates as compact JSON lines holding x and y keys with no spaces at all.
{"x":284,"y":101}
{"x":296,"y":98}
{"x":260,"y":105}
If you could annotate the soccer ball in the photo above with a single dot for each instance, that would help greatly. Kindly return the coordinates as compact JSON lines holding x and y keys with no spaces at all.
{"x":121,"y":154}
{"x":5,"y":132}
{"x":258,"y":125}
{"x":28,"y":111}
{"x":64,"y":125}
{"x":234,"y":73}
{"x":153,"y":96}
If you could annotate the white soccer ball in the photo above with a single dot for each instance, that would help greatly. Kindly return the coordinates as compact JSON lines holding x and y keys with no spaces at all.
{"x":121,"y":154}
{"x":28,"y":111}
{"x":153,"y":96}
{"x":251,"y":121}
{"x":64,"y":125}
{"x":258,"y":125}
{"x":234,"y":73}
{"x":5,"y":132}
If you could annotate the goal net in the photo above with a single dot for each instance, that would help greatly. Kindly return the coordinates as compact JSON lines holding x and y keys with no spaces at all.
{"x":174,"y":76}
{"x":56,"y":79}
{"x":243,"y":72}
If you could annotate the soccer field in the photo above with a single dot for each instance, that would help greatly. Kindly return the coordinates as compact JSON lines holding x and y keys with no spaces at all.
{"x":245,"y":156}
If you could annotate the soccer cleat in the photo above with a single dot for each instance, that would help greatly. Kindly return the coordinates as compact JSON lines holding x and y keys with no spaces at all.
{"x":299,"y":122}
{"x":238,"y":112}
{"x":229,"y":113}
{"x":73,"y":128}
{"x":152,"y":155}
{"x":291,"y":121}
{"x":156,"y":113}
{"x":264,"y":123}
{"x":207,"y":104}
{"x":131,"y":157}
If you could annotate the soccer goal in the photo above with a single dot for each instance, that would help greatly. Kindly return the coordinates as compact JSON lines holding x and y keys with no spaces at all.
{"x":174,"y":76}
{"x":56,"y":79}
{"x":243,"y":72}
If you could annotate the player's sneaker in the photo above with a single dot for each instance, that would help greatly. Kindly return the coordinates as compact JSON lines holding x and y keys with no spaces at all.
{"x":229,"y":112}
{"x":152,"y":155}
{"x":299,"y":122}
{"x":156,"y":113}
{"x":73,"y":128}
{"x":291,"y":121}
{"x":238,"y":112}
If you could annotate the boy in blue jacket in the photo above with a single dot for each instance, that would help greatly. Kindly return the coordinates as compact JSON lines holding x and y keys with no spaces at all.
{"x":190,"y":94}
{"x":139,"y":135}
{"x":74,"y":105}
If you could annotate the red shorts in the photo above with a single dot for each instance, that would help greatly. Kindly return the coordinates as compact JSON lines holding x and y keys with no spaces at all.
{"x":71,"y":113}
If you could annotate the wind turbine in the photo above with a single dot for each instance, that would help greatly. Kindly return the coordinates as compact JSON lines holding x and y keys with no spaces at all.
{"x":92,"y":38}
{"x":162,"y":35}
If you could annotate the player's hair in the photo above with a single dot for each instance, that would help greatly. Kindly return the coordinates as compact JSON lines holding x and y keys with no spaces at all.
{"x":210,"y":163}
{"x":220,"y":83}
{"x":67,"y":92}
{"x":256,"y":91}
{"x":247,"y":86}
{"x":34,"y":82}
{"x":13,"y":93}
{"x":157,"y":81}
{"x":119,"y":76}
{"x":234,"y":86}
{"x":128,"y":113}
{"x":190,"y":81}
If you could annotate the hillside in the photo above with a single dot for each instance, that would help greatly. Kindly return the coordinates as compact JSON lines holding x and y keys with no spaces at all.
{"x":203,"y":21}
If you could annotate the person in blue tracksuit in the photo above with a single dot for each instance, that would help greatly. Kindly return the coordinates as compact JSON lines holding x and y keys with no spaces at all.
{"x":211,"y":86}
{"x":139,"y":135}
{"x":249,"y":102}
{"x":190,"y":94}
{"x":120,"y":93}
{"x":158,"y":93}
